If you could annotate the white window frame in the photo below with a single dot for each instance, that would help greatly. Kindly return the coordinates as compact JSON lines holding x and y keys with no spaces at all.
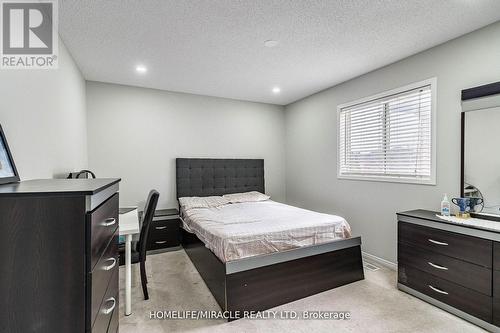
{"x":432,"y":82}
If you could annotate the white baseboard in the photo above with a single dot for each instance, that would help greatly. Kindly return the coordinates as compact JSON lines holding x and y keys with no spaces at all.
{"x":383,"y":262}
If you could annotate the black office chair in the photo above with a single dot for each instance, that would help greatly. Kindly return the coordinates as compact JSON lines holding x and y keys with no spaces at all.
{"x":139,"y":248}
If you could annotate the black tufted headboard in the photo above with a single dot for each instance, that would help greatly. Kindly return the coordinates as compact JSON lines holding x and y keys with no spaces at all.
{"x":202,"y":177}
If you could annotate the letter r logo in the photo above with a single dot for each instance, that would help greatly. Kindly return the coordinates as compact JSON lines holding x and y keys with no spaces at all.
{"x":27,"y":27}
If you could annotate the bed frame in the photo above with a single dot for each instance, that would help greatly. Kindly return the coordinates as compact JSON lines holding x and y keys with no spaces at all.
{"x":261,"y":282}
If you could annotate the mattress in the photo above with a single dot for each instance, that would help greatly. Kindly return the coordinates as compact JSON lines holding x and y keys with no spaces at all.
{"x":243,"y":230}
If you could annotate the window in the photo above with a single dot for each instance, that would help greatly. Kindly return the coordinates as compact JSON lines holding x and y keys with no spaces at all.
{"x":389,"y":137}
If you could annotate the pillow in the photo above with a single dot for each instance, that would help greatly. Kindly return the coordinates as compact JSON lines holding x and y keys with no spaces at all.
{"x":202,"y":202}
{"x":253,"y":196}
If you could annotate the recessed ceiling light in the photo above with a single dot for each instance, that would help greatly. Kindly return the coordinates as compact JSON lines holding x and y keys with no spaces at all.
{"x":141,"y":69}
{"x":270,"y":43}
{"x":276,"y":90}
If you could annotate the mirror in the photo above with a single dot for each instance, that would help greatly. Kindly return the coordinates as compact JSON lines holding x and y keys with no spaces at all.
{"x":481,"y":159}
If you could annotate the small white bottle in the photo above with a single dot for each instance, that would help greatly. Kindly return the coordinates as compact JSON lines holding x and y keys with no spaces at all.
{"x":445,"y":206}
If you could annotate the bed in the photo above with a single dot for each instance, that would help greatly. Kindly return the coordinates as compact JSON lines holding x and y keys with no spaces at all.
{"x":255,"y":256}
{"x":248,"y":229}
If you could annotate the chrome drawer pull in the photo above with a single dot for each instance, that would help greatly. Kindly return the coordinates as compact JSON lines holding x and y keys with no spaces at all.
{"x":160,"y":228}
{"x":436,"y":242}
{"x":109,"y":222}
{"x":110,"y":309}
{"x":438,"y":290}
{"x":160,"y":242}
{"x":107,"y":268}
{"x":437,"y":266}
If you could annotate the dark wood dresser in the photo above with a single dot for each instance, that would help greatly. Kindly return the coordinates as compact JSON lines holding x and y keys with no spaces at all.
{"x":453,"y":266}
{"x":59,"y":248}
{"x":164,"y":232}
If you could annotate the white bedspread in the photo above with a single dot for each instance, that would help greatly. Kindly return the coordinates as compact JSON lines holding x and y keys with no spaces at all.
{"x":243,"y":230}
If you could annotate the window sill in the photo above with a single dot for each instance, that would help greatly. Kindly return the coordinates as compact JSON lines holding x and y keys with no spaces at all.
{"x":402,"y":180}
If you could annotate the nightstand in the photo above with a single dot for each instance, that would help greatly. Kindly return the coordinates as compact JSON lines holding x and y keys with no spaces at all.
{"x":164,"y":232}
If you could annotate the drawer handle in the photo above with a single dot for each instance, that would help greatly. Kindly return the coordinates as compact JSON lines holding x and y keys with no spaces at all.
{"x":436,"y":242}
{"x":160,"y":242}
{"x":107,"y":268}
{"x":109,"y":222}
{"x":438,"y":290}
{"x":160,"y":228}
{"x":438,"y":266}
{"x":111,"y":308}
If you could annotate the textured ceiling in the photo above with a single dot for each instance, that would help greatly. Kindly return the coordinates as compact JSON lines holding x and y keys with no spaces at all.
{"x":216,"y":47}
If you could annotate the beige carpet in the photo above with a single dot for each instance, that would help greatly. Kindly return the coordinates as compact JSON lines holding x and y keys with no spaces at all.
{"x":375,"y":305}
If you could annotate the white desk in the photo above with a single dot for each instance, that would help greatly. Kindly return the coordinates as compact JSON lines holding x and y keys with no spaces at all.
{"x":129,"y":225}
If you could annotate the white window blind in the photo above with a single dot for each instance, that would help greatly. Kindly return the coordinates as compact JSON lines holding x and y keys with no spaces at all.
{"x":388,"y":138}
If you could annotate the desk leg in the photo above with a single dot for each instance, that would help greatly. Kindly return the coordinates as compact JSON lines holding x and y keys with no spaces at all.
{"x":128,"y":275}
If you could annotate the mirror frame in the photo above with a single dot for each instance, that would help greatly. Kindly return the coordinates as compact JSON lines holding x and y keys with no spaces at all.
{"x":476,"y":96}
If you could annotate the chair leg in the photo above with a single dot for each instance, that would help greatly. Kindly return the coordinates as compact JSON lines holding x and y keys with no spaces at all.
{"x":144,"y":280}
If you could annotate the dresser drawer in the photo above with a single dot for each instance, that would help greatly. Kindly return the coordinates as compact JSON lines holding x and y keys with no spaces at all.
{"x":472,"y":249}
{"x":462,"y":298}
{"x":163,"y":239}
{"x":108,"y":306}
{"x":171,"y":223}
{"x":103,"y":223}
{"x":101,"y":275}
{"x":460,"y":272}
{"x":496,"y":256}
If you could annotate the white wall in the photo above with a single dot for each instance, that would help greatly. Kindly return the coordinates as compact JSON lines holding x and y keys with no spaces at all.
{"x":42,"y":113}
{"x":136,"y":134}
{"x":370,"y":207}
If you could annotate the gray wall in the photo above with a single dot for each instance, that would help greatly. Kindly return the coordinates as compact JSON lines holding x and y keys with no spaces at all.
{"x":137,"y":133}
{"x":370,"y":207}
{"x":43,"y":116}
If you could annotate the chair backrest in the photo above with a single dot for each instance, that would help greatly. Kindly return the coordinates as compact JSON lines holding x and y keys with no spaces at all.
{"x":147,"y":217}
